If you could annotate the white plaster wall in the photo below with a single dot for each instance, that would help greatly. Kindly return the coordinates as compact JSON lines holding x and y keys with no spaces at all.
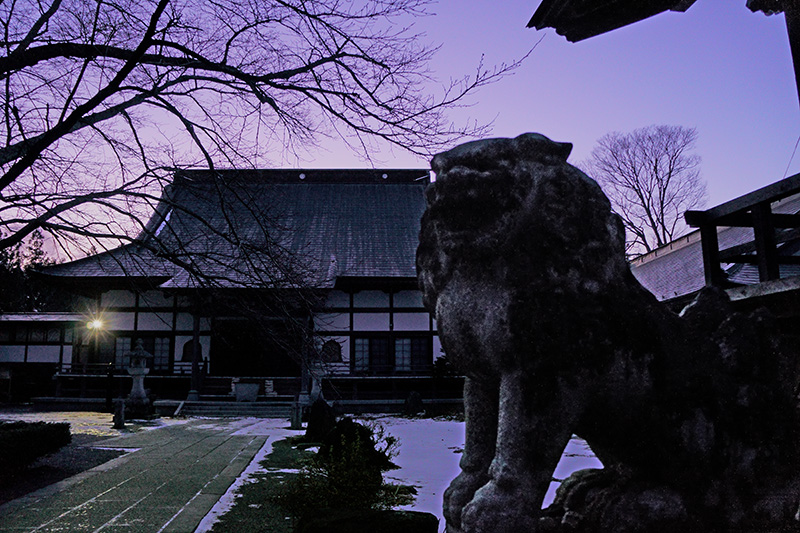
{"x":371,"y":321}
{"x":118,"y":321}
{"x":12,"y":354}
{"x":337,"y":369}
{"x":345,"y":342}
{"x":371,"y":299}
{"x":437,"y":348}
{"x":408,"y":299}
{"x":332,"y":322}
{"x":43,"y":354}
{"x":155,"y":321}
{"x":118,"y":299}
{"x":185,"y":321}
{"x":411,"y":322}
{"x":337,"y":299}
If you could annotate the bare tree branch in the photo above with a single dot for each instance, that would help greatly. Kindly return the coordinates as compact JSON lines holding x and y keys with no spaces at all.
{"x":63,"y":127}
{"x":96,"y":94}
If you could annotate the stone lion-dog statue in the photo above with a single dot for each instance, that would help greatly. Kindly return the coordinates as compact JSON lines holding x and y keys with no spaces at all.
{"x":694,"y":416}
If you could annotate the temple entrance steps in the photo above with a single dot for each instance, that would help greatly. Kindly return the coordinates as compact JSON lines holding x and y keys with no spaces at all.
{"x":217,"y":408}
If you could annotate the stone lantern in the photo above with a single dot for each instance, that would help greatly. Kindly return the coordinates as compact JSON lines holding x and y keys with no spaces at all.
{"x":138,"y":404}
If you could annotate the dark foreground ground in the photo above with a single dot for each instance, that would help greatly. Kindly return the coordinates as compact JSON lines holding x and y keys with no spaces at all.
{"x":72,"y":459}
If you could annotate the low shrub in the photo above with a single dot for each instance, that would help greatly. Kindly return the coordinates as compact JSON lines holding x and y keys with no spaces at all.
{"x":346,"y":474}
{"x":21,"y":443}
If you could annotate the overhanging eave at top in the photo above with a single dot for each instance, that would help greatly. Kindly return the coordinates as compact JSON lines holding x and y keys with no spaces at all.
{"x":580,"y":19}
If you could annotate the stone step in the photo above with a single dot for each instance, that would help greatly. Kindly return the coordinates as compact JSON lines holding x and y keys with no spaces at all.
{"x":232,"y":409}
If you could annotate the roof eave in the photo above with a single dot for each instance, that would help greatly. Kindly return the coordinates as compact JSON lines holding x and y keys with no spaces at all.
{"x":576,"y":21}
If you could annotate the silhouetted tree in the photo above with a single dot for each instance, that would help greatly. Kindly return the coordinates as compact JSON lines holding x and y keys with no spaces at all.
{"x":102,"y":101}
{"x":651,"y":177}
{"x":20,"y":289}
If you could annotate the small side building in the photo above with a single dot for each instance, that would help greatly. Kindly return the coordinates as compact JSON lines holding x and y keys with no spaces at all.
{"x":33,"y":348}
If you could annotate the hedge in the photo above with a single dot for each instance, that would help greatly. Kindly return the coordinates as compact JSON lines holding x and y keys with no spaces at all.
{"x":21,"y":443}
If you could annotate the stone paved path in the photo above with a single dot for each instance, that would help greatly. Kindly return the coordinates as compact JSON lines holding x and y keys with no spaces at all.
{"x":168,"y":484}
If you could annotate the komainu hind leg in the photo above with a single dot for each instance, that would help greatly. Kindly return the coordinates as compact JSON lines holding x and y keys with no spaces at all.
{"x":481,"y":401}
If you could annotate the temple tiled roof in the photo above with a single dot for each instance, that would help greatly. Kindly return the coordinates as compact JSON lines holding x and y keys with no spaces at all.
{"x":243,"y":228}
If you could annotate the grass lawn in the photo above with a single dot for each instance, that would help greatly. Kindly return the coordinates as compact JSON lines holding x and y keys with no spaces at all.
{"x":253,"y":509}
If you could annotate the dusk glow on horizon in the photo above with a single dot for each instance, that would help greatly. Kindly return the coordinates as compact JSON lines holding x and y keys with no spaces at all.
{"x":718,"y":67}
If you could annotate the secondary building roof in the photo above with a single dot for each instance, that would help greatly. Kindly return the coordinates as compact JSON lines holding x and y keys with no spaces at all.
{"x":271,"y":228}
{"x":676,"y":270}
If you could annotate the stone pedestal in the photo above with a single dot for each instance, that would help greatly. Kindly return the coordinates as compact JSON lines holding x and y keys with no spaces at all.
{"x":244,"y":391}
{"x":269,"y":388}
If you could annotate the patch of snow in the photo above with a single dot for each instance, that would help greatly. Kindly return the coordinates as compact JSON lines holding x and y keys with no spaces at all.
{"x":430,"y":450}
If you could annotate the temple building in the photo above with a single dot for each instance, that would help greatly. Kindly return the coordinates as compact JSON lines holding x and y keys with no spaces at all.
{"x":261,"y":273}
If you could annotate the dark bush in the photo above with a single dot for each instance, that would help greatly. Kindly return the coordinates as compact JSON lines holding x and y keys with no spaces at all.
{"x":321,"y":420}
{"x":376,"y":449}
{"x":21,"y":443}
{"x":346,"y":474}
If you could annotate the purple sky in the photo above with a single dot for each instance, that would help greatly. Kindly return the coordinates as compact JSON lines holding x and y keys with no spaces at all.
{"x":717,"y":67}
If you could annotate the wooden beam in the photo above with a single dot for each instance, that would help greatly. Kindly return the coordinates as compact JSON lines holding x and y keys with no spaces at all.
{"x":770,"y":193}
{"x":753,"y":260}
{"x":695,"y":219}
{"x":745,"y":220}
{"x":727,"y":255}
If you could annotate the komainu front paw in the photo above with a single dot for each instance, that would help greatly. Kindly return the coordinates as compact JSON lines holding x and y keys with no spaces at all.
{"x":497,"y":511}
{"x":460,"y":493}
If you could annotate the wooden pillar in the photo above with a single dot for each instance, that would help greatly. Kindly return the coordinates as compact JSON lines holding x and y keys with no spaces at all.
{"x":194,"y":392}
{"x":766,"y":249}
{"x":710,"y":245}
{"x":791,"y":10}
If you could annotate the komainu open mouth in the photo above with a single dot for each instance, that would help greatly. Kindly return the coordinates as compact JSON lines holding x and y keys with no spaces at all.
{"x":465,"y":200}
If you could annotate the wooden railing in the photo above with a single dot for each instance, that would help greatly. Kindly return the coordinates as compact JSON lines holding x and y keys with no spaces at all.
{"x":753,"y":210}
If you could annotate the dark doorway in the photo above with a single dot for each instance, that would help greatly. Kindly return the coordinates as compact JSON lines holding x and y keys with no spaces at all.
{"x":242,"y":348}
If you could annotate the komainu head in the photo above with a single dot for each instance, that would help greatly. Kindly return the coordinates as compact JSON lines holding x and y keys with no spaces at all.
{"x":516,"y":206}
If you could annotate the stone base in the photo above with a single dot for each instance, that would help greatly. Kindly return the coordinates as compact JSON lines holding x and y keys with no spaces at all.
{"x":139,"y":409}
{"x":368,"y":521}
{"x":604,"y":501}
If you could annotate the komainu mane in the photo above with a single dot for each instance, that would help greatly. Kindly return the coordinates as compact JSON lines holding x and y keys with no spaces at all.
{"x":694,"y":416}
